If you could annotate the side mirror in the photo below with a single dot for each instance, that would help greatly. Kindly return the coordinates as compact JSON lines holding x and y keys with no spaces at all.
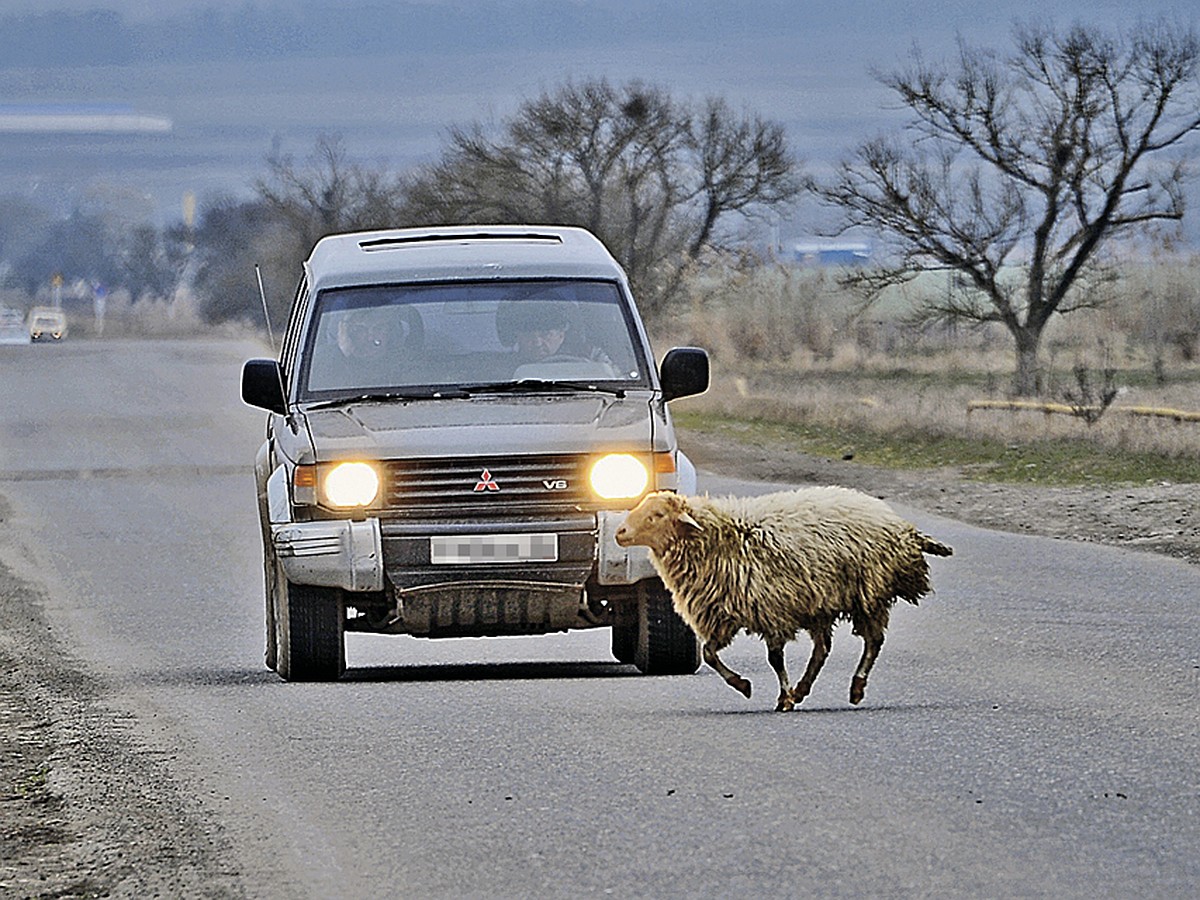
{"x":684,"y":372}
{"x":262,"y":385}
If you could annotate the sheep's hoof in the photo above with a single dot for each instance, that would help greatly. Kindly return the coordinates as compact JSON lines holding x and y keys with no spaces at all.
{"x":785,"y":703}
{"x":742,"y":686}
{"x":858,"y":687}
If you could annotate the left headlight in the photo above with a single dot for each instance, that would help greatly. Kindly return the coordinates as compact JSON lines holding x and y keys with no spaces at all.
{"x":350,"y":484}
{"x":619,"y":476}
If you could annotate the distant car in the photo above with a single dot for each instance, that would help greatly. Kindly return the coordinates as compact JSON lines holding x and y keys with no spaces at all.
{"x":47,"y":322}
{"x":12,"y":327}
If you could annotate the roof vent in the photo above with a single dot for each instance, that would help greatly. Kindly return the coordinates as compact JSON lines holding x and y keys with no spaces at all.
{"x":389,"y":243}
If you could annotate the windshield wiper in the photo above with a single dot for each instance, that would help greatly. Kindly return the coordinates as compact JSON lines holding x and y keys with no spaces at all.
{"x":449,"y":393}
{"x":536,"y":385}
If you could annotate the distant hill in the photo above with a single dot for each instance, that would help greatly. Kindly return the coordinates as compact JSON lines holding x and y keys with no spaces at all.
{"x":214,"y":86}
{"x":222,"y":31}
{"x":41,"y":37}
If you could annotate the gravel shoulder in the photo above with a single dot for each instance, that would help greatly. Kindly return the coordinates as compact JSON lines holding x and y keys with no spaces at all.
{"x":86,"y":813}
{"x":84,"y":810}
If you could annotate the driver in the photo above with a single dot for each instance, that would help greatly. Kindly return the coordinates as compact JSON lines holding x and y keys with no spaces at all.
{"x":543,"y":332}
{"x":541,"y":336}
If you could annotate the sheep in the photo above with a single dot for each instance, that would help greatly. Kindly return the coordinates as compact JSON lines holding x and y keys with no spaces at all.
{"x":780,"y":563}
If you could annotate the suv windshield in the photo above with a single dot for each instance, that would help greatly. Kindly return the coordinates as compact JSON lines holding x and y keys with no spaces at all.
{"x":395,"y":339}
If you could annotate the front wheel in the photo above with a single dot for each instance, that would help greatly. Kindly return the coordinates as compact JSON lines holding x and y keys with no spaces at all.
{"x":271,"y":579}
{"x":665,"y":643}
{"x":625,"y":630}
{"x":310,"y":631}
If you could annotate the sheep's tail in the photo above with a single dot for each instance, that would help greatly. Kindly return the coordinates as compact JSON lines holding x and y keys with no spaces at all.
{"x":934,"y":548}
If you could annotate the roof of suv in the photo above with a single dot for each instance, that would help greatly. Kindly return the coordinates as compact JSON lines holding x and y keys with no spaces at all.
{"x":460,"y":252}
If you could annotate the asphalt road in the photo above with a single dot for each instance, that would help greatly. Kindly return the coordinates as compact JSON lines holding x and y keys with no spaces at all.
{"x":1030,"y":730}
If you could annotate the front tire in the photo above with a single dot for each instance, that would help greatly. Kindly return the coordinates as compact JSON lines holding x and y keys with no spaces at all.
{"x":665,"y":643}
{"x":625,"y":630}
{"x":270,"y":579}
{"x":310,"y":635}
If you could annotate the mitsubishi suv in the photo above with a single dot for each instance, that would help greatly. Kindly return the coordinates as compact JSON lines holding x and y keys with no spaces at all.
{"x":459,"y":420}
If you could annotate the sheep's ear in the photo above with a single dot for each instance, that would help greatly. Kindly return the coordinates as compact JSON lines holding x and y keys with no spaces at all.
{"x":685,"y":518}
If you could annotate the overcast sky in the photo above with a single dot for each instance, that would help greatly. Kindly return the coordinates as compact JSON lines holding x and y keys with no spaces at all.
{"x":923,"y":14}
{"x":392,"y":91}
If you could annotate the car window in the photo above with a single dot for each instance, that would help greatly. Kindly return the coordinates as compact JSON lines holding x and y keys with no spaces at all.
{"x":448,"y":335}
{"x":291,"y":336}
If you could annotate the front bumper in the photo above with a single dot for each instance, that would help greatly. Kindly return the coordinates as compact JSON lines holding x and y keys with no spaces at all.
{"x":340,"y":554}
{"x":354,"y":554}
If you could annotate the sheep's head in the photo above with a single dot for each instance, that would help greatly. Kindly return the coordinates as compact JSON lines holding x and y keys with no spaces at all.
{"x":659,"y":519}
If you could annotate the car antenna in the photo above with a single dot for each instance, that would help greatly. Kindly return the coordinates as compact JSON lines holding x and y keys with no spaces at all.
{"x":262,"y":295}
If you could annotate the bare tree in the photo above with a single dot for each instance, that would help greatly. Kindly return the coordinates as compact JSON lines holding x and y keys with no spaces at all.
{"x":589,"y":154}
{"x":301,"y":203}
{"x":644,"y":172}
{"x":649,"y":175}
{"x":328,"y":194}
{"x":742,"y":163}
{"x":1027,"y":163}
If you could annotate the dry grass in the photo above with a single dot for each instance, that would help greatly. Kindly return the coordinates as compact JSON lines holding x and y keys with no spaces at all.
{"x":790,"y":348}
{"x":906,"y":408}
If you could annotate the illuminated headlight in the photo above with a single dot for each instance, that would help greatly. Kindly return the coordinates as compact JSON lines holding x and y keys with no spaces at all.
{"x":350,"y":484}
{"x":619,"y":476}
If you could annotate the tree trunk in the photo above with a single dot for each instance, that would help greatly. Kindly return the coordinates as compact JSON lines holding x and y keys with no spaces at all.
{"x":1026,"y":381}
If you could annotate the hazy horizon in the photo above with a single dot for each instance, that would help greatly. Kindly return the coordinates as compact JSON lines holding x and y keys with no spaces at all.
{"x":234,"y":80}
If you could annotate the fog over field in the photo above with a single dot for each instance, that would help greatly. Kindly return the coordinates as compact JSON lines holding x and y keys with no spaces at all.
{"x":193,"y":96}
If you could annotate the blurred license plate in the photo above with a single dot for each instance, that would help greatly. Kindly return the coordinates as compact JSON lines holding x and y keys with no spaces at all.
{"x":493,"y":548}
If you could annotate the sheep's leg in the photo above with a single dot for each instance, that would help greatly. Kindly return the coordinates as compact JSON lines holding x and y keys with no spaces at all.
{"x":872,"y":637}
{"x":822,"y":638}
{"x":775,"y":658}
{"x":734,"y":680}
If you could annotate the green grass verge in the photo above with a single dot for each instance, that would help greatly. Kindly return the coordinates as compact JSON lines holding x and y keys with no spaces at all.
{"x":1050,"y":463}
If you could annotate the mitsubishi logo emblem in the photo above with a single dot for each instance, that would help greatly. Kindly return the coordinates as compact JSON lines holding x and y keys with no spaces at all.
{"x":486,"y":482}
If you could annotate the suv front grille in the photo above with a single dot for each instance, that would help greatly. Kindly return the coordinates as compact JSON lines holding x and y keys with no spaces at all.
{"x":479,"y":486}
